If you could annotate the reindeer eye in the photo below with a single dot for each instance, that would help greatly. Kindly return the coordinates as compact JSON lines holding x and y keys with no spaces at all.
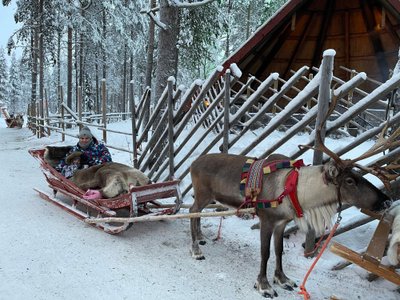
{"x":350,"y":181}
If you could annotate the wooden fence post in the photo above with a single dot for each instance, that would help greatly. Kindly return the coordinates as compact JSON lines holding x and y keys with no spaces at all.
{"x":61,"y":109}
{"x":62,"y":123}
{"x":133,"y":119}
{"x":170,"y":108}
{"x":79,"y":108}
{"x":104,"y":108}
{"x":60,"y":97}
{"x":42,"y":116}
{"x":324,"y":98}
{"x":225,"y":144}
{"x":29,"y":116}
{"x":37,"y":117}
{"x":34,"y":117}
{"x":46,"y":112}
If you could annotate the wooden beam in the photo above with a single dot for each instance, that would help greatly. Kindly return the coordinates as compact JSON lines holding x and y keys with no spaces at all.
{"x":383,"y":271}
{"x":347,"y":41}
{"x":276,"y":47}
{"x":392,"y":32}
{"x":299,"y":45}
{"x":377,"y":245}
{"x":375,"y":40}
{"x":329,"y":10}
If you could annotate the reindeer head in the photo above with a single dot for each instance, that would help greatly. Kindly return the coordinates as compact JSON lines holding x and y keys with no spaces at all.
{"x":353,"y":188}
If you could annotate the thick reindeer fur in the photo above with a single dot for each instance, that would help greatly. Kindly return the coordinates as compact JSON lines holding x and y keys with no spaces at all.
{"x":53,"y":154}
{"x":112,"y":179}
{"x":217,"y":177}
{"x":393,"y":252}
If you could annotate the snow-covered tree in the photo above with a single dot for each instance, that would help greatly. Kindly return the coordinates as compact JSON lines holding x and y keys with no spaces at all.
{"x":14,"y":95}
{"x":3,"y":78}
{"x":25,"y":84}
{"x":110,"y":39}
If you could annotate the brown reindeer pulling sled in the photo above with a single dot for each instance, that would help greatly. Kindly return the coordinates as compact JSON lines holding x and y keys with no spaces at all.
{"x":311,"y":203}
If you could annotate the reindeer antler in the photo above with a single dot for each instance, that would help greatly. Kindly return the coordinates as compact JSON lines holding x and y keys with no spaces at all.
{"x":382,"y":144}
{"x":384,"y":173}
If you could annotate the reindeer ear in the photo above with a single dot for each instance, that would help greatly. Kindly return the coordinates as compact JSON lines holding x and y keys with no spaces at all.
{"x":331,"y":171}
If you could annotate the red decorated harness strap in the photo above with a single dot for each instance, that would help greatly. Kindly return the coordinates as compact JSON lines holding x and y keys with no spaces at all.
{"x":252,"y":191}
{"x":291,"y":190}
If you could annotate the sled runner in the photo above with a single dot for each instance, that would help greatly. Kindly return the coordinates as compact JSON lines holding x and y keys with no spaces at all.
{"x":152,"y":199}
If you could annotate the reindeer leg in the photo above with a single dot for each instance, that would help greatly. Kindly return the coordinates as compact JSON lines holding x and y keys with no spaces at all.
{"x":262,"y":284}
{"x":280,"y":277}
{"x":195,"y":227}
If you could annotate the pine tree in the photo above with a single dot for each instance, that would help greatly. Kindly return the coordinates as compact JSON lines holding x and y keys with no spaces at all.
{"x":15,"y":103}
{"x":3,"y":78}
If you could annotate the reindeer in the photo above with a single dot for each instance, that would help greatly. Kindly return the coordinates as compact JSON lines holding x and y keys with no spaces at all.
{"x":15,"y":121}
{"x":320,"y":191}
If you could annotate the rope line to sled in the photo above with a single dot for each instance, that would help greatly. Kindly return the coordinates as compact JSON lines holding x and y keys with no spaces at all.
{"x":219,"y":230}
{"x":303,"y":290}
{"x":315,"y":247}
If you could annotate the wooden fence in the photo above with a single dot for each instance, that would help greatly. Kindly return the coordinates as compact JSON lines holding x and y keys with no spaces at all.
{"x":221,"y":112}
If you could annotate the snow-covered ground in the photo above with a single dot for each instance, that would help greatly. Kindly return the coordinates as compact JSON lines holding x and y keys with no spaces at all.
{"x":46,"y":253}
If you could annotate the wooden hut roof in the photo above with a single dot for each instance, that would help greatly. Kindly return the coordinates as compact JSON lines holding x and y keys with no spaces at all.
{"x":364,"y":33}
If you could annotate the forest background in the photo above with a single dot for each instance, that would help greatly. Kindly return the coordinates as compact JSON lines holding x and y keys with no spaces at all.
{"x":65,"y":45}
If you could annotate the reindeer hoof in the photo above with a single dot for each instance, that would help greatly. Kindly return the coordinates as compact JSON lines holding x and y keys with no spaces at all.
{"x":267,"y":293}
{"x":286,"y":284}
{"x":197,"y":255}
{"x":288,"y":287}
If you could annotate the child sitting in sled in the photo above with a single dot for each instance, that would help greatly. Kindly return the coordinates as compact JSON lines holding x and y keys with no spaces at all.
{"x":90,"y":152}
{"x":73,"y":163}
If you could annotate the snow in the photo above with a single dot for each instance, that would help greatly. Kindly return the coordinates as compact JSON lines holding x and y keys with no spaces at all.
{"x":341,"y":90}
{"x":49,"y":254}
{"x":329,"y":52}
{"x":235,"y":70}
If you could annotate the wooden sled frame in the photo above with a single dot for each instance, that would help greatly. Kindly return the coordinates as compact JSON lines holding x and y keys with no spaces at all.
{"x":11,"y":122}
{"x":132,"y":204}
{"x":370,"y":260}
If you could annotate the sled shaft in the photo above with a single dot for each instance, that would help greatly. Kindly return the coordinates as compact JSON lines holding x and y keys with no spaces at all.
{"x":171,"y":217}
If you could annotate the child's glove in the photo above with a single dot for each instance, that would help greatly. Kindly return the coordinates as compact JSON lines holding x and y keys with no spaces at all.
{"x":92,"y":195}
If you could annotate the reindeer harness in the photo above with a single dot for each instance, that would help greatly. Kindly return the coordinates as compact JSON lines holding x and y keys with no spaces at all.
{"x":252,"y":178}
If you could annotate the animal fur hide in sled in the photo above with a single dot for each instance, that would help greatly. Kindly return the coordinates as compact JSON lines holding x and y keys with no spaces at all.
{"x":393,"y":252}
{"x":111,"y":179}
{"x":53,"y":154}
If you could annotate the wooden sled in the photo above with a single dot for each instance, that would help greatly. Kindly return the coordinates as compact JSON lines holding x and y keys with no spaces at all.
{"x":12,"y":121}
{"x":370,"y":260}
{"x":163,"y":198}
